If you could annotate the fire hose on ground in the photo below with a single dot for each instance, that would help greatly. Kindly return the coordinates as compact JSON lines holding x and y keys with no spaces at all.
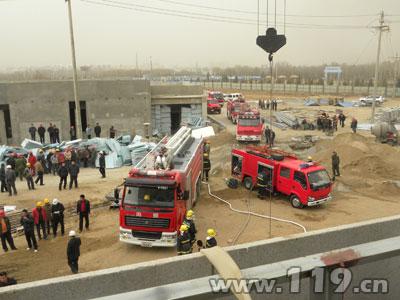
{"x":250,"y":213}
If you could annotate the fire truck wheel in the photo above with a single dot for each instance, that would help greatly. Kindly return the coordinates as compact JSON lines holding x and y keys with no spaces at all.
{"x":248,"y":183}
{"x":295,"y":201}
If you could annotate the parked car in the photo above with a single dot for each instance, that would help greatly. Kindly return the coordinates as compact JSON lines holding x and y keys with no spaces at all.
{"x":368,"y":100}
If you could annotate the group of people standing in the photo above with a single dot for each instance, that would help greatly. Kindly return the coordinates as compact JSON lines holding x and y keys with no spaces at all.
{"x":267,"y":104}
{"x":54,"y":132}
{"x":325,"y":123}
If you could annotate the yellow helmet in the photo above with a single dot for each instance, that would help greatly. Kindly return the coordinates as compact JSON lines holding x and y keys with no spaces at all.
{"x":147,"y":197}
{"x":205,"y":155}
{"x":40,"y":150}
{"x":190,"y":213}
{"x":309,"y":158}
{"x":184,"y":227}
{"x":39,"y":204}
{"x":28,"y":164}
{"x":211,"y":232}
{"x":46,"y":201}
{"x":208,"y":141}
{"x":50,"y":150}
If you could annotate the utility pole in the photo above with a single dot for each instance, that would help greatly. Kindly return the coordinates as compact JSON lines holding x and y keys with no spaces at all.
{"x":381,"y":27}
{"x":395,"y":77}
{"x":78,"y":126}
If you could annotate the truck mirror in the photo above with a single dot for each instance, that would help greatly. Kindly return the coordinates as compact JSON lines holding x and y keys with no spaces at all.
{"x":186,"y":195}
{"x":116,"y":195}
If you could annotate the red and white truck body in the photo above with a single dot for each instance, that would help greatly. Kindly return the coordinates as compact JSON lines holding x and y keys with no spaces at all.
{"x":249,"y":126}
{"x":233,"y":108}
{"x":159,"y":190}
{"x":306,"y":183}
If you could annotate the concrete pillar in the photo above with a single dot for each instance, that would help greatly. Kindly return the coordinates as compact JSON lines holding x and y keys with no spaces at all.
{"x":3,"y":134}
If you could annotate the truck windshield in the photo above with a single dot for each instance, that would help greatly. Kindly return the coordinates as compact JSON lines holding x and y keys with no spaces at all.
{"x":236,"y":108}
{"x":159,"y":196}
{"x":319,"y":179}
{"x":218,"y":96}
{"x":249,"y":122}
{"x":213,"y":101}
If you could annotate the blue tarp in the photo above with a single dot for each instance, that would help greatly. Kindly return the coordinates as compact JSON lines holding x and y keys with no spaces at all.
{"x":310,"y":103}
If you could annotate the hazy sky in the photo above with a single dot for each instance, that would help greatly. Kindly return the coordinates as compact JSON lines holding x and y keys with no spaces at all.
{"x":36,"y":32}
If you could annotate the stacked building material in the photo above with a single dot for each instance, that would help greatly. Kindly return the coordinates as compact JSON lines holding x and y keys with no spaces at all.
{"x":165,"y":117}
{"x":285,"y":118}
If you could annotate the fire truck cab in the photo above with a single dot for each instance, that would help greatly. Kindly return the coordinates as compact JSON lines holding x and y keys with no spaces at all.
{"x":249,"y":125}
{"x":159,"y":190}
{"x":213,"y":106}
{"x":215,"y":95}
{"x":305,"y":183}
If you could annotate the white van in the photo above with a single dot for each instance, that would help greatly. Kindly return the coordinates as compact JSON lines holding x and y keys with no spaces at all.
{"x":234,"y":96}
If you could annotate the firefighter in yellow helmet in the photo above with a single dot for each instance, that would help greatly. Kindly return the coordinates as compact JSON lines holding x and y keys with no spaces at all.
{"x":207,"y":148}
{"x":189,"y":222}
{"x":309,"y":159}
{"x":147,"y":197}
{"x":211,"y":241}
{"x":206,"y":166}
{"x":183,"y":244}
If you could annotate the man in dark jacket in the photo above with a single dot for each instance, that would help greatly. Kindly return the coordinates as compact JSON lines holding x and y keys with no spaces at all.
{"x":32,"y":131}
{"x":11,"y":161}
{"x":83,"y":209}
{"x":102,"y":164}
{"x":73,"y":251}
{"x":50,"y":131}
{"x":11,"y":176}
{"x":342,"y":118}
{"x":41,"y":131}
{"x":354,"y":124}
{"x":28,"y":174}
{"x":3,"y":178}
{"x":92,"y":157}
{"x":57,"y":211}
{"x":56,"y":134}
{"x":6,"y":281}
{"x":28,"y":223}
{"x":20,"y":165}
{"x":72,"y":133}
{"x":206,"y":166}
{"x":73,"y":171}
{"x":97,"y":130}
{"x":63,"y":173}
{"x":5,"y":232}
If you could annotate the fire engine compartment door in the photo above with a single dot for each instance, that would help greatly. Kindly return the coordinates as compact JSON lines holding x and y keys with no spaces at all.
{"x":270,"y":171}
{"x":237,"y":165}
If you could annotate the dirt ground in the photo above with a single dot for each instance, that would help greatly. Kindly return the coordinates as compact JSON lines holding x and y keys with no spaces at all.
{"x":363,"y":192}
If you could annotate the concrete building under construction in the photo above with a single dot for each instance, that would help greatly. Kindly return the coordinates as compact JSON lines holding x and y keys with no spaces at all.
{"x":125,"y":104}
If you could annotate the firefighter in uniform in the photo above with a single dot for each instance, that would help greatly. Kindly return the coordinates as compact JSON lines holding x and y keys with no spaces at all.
{"x":211,"y":241}
{"x":189,"y":222}
{"x":206,"y":166}
{"x":262,"y":181}
{"x":309,"y":159}
{"x":183,"y":245}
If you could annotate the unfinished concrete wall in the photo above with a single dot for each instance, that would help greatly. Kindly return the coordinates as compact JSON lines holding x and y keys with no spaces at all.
{"x":164,"y":271}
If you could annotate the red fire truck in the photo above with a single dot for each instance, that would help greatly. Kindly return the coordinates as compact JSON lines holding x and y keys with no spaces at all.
{"x":306,"y":183}
{"x":215,"y":95}
{"x":249,"y":126}
{"x":213,"y":106}
{"x":159,"y":190}
{"x":233,"y":108}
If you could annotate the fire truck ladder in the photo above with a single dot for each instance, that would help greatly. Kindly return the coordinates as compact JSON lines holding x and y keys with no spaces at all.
{"x":267,"y":151}
{"x":179,"y":143}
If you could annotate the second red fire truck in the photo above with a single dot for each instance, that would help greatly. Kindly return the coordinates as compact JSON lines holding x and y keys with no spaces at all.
{"x":305,"y":183}
{"x":249,"y":126}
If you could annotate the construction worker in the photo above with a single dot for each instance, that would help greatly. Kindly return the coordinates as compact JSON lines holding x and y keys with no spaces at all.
{"x":146,"y":197}
{"x":11,"y":161}
{"x":28,"y":174}
{"x":32,"y":160}
{"x":54,"y":162}
{"x":83,"y":209}
{"x":206,"y":166}
{"x":48,"y":210}
{"x":354,"y":125}
{"x":272,"y":137}
{"x":73,"y":251}
{"x":57,"y":211}
{"x":189,"y":222}
{"x":63,"y":174}
{"x":40,"y":219}
{"x":68,"y":157}
{"x":267,"y":133}
{"x":211,"y":241}
{"x":342,"y":118}
{"x":183,"y":244}
{"x":5,"y":232}
{"x":309,"y":159}
{"x":73,"y":171}
{"x":40,"y":171}
{"x":97,"y":130}
{"x":335,"y":164}
{"x":3,"y":178}
{"x":207,"y":148}
{"x":262,"y":181}
{"x":11,"y":176}
{"x":28,"y":223}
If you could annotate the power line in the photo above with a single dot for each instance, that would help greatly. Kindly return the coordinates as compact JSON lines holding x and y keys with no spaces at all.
{"x":217,"y":18}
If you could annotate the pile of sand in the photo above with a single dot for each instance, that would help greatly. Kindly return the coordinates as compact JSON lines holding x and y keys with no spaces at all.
{"x":364,"y":163}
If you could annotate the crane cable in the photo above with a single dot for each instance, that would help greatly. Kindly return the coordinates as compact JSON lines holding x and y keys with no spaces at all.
{"x":250,"y":212}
